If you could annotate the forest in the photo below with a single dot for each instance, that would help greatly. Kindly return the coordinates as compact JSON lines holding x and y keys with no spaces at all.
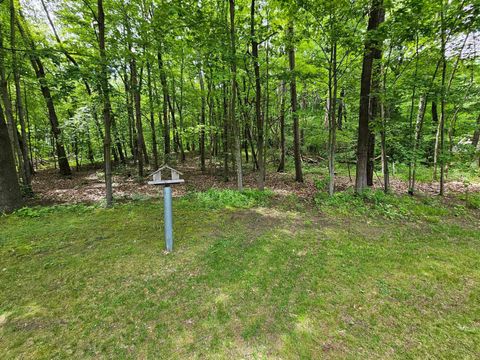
{"x":331,"y":143}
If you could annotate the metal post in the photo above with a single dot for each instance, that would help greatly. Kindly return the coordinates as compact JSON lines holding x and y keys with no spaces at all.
{"x":167,"y":216}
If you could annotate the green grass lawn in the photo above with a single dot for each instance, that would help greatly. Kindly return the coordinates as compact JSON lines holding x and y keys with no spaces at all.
{"x":250,"y":277}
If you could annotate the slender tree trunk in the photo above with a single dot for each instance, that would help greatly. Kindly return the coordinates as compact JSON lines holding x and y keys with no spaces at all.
{"x":364,"y":142}
{"x":39,"y":69}
{"x":233,"y":122}
{"x":138,"y":115}
{"x":8,"y":106}
{"x":332,"y":125}
{"x":475,"y":139}
{"x":152,"y":116}
{"x":166,"y":126}
{"x":340,"y":110}
{"x":118,"y":148}
{"x":258,"y":102}
{"x":10,"y":196}
{"x":202,"y":121}
{"x":383,"y":140}
{"x":132,"y":134}
{"x":180,"y":106}
{"x":416,"y":141}
{"x":26,"y":170}
{"x":443,"y":102}
{"x":281,"y":165}
{"x":225,"y":134}
{"x":107,"y":147}
{"x":476,"y":134}
{"x":176,"y":134}
{"x":293,"y":99}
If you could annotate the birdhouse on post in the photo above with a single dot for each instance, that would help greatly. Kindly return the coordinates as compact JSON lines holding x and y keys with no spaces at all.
{"x":167,"y":176}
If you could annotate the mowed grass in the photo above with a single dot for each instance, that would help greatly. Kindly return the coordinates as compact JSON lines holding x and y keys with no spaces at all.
{"x":249,"y":278}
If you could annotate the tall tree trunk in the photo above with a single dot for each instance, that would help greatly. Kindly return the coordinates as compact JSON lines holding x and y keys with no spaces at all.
{"x":476,"y":134}
{"x":166,"y":126}
{"x":416,"y":141}
{"x":383,"y":140}
{"x":39,"y":69}
{"x":372,"y":47}
{"x":12,"y":129}
{"x":180,"y":107}
{"x":341,"y":105}
{"x":293,"y":99}
{"x":107,"y":146}
{"x":281,"y":165}
{"x":10,"y":196}
{"x":258,"y":102}
{"x":233,"y":122}
{"x":152,"y":115}
{"x":132,"y":133}
{"x":138,"y":115}
{"x":26,"y":170}
{"x":118,"y":148}
{"x":332,"y":125}
{"x":435,"y":122}
{"x":443,"y":101}
{"x":202,"y":121}
{"x":226,"y":134}
{"x":475,"y":139}
{"x":176,"y":135}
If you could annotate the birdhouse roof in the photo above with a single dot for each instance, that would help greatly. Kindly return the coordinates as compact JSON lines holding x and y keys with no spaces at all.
{"x":163,"y":167}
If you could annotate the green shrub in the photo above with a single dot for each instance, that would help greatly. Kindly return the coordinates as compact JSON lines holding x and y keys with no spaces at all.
{"x":377,"y":203}
{"x":473,"y":201}
{"x":37,"y":211}
{"x":217,"y":199}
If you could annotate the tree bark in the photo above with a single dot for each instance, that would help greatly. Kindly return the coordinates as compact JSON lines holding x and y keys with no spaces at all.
{"x":372,"y":45}
{"x":152,"y":116}
{"x":39,"y":69}
{"x":293,"y":99}
{"x":258,"y":102}
{"x":443,"y":101}
{"x":107,"y":147}
{"x":476,"y":134}
{"x":233,"y":96}
{"x":26,"y":169}
{"x":11,"y":127}
{"x":166,"y":126}
{"x":332,"y":125}
{"x":281,"y":165}
{"x":202,"y":121}
{"x":10,"y":196}
{"x":416,"y":141}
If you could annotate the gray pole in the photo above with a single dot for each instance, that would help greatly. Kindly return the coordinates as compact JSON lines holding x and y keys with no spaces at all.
{"x":167,"y":216}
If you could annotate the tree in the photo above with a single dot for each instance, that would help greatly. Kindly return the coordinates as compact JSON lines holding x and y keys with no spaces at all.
{"x":365,"y":138}
{"x":107,"y":156}
{"x":10,"y":196}
{"x":39,"y":69}
{"x":293,"y":99}
{"x":233,"y":97}
{"x":258,"y":101}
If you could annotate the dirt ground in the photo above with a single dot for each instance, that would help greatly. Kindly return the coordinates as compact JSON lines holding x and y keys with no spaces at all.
{"x":87,"y":184}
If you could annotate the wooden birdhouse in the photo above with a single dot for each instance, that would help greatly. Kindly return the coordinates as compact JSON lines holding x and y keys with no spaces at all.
{"x":166,"y":176}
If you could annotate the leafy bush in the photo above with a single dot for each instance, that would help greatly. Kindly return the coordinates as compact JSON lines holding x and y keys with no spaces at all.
{"x":38,"y":211}
{"x":473,"y":201}
{"x":377,"y":203}
{"x":217,"y":199}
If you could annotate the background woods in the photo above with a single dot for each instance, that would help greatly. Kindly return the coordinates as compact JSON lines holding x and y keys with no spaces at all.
{"x":238,"y":86}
